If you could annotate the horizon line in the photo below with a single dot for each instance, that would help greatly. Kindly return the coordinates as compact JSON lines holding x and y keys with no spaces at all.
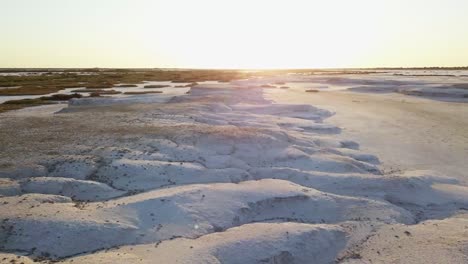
{"x":234,"y":69}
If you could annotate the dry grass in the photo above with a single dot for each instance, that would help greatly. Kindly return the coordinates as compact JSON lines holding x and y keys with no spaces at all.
{"x":60,"y":97}
{"x":96,"y":91}
{"x":29,"y":90}
{"x":96,"y":79}
{"x":53,"y":82}
{"x":19,"y":104}
{"x":146,"y":92}
{"x":127,"y":85}
{"x":24,"y":102}
{"x":99,"y":86}
{"x":44,"y":100}
{"x":155,"y":86}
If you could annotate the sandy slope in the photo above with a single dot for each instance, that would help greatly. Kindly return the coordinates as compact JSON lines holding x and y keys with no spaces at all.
{"x":404,"y":132}
{"x":251,"y":243}
{"x":439,"y":241}
{"x":222,"y":175}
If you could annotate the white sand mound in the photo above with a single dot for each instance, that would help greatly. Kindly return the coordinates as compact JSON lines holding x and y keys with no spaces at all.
{"x":38,"y":221}
{"x":135,"y":175}
{"x":9,"y":187}
{"x":425,"y":195}
{"x":253,"y":243}
{"x":72,"y":166}
{"x":76,"y":189}
{"x":23,"y":170}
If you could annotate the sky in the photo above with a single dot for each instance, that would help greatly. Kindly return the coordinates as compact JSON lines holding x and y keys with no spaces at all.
{"x":233,"y":33}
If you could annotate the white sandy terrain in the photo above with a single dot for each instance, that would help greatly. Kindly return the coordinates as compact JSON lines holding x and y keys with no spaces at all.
{"x":230,"y":173}
{"x":404,"y":132}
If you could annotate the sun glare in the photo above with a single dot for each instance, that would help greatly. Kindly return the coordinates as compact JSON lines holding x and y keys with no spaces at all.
{"x":234,"y":34}
{"x":264,"y":35}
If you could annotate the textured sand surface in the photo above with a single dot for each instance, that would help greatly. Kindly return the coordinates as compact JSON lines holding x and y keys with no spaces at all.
{"x":230,"y":173}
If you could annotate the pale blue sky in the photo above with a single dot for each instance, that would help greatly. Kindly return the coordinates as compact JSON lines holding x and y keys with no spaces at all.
{"x":233,"y":34}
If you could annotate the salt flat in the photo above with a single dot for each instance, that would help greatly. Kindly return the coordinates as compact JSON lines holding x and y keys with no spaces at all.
{"x":239,"y":173}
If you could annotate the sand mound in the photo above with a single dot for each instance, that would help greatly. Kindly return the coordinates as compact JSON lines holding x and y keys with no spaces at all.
{"x":261,"y":243}
{"x":188,"y":211}
{"x":76,"y":189}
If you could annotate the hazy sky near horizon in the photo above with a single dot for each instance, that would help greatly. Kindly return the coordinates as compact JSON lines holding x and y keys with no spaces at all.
{"x":233,"y":33}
